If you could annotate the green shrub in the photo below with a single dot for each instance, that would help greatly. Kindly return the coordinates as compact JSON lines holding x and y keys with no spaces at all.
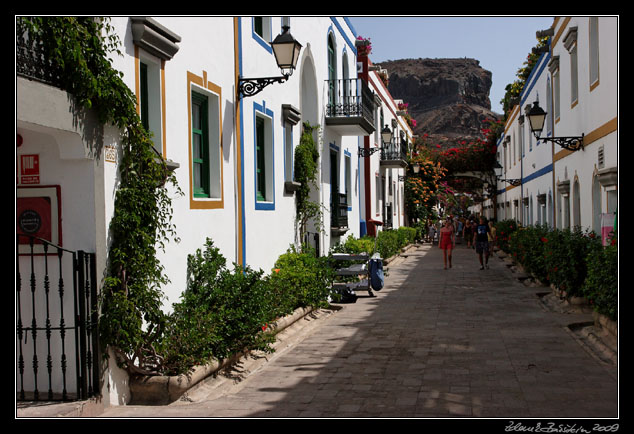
{"x":601,"y":284}
{"x":407,"y":235}
{"x":300,"y":279}
{"x":224,"y":311}
{"x":221,"y":313}
{"x":503,"y":229}
{"x":526,"y":245}
{"x":565,"y":253}
{"x":364,"y":244}
{"x":387,"y":243}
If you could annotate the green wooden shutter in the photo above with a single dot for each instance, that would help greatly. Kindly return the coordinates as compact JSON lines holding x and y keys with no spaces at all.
{"x":200,"y":145}
{"x":260,"y":160}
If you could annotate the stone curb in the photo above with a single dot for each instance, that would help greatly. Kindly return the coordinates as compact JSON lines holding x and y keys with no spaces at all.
{"x":162,"y":389}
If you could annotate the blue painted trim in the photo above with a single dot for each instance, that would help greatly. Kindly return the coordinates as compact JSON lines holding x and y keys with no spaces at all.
{"x":259,"y":39}
{"x":544,"y":170}
{"x":347,"y":20}
{"x":241,"y":150}
{"x":268,"y":205}
{"x":344,"y":36}
{"x":532,"y":78}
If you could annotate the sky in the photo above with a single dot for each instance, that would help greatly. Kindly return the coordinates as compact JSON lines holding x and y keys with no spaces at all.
{"x":500,"y":43}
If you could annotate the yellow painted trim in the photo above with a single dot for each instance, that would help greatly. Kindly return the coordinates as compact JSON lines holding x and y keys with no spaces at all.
{"x":203,"y":83}
{"x":137,"y":80}
{"x":605,"y":129}
{"x":561,"y":30}
{"x":238,"y":156}
{"x":163,"y":118}
{"x":514,"y":112}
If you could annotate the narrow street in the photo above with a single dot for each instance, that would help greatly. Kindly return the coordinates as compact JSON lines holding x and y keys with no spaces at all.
{"x":462,"y":342}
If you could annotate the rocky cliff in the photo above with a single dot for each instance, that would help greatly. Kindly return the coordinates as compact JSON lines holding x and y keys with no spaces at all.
{"x":449,"y":98}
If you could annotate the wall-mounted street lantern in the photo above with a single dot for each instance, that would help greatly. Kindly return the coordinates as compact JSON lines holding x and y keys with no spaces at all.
{"x":386,"y":137}
{"x":536,"y":116}
{"x":497,"y":168}
{"x":286,"y":50}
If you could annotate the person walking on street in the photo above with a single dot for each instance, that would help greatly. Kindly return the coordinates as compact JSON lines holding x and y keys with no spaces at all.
{"x":491,"y":235}
{"x":481,"y":241}
{"x":467,"y":233}
{"x":459,"y":232}
{"x":431,"y":233}
{"x":447,"y":240}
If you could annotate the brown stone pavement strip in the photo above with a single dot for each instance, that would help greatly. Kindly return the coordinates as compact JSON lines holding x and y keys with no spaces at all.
{"x":433,"y":343}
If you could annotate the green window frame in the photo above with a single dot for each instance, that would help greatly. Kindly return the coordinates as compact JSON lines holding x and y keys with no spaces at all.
{"x":260,"y":160}
{"x":200,"y":145}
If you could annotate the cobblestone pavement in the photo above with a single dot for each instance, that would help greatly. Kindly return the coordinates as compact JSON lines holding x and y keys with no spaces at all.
{"x":433,"y":343}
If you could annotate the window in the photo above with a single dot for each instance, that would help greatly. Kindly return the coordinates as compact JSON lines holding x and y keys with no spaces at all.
{"x":288,"y":152}
{"x":332,"y":74}
{"x":594,"y":51}
{"x":348,"y":181}
{"x":574,"y":85}
{"x":205,"y":141}
{"x":200,"y":145}
{"x":263,"y":158}
{"x":262,"y":33}
{"x":260,"y":165}
{"x":570,"y":42}
{"x":154,"y":44}
{"x":150,"y":99}
{"x":556,"y":94}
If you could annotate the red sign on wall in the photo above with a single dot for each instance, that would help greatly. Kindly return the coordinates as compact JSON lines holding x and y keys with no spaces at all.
{"x":30,"y":169}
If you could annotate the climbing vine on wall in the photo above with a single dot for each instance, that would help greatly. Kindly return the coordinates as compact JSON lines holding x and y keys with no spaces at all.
{"x":306,"y":167}
{"x":77,"y":49}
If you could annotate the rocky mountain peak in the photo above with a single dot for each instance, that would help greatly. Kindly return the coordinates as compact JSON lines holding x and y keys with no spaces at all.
{"x":449,"y":98}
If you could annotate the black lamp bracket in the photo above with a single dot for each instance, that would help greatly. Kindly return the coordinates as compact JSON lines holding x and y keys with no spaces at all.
{"x":513,"y":182}
{"x":570,"y":143}
{"x":366,"y":152}
{"x":252,"y":86}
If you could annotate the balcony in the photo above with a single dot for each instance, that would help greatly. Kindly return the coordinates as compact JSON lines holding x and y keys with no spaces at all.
{"x":350,"y":108}
{"x":394,"y":154}
{"x":31,"y":62}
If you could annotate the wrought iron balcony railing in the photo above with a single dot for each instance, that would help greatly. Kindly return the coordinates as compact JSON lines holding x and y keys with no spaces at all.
{"x":31,"y":61}
{"x":394,"y":154}
{"x":350,"y":107}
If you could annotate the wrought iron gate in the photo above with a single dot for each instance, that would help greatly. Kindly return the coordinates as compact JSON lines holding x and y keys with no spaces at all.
{"x":53,"y":325}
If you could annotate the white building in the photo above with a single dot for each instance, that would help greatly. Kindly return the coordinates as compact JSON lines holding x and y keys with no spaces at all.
{"x":232,"y":153}
{"x":525,"y":188}
{"x":576,"y":83}
{"x":584,"y":68}
{"x":384,"y":163}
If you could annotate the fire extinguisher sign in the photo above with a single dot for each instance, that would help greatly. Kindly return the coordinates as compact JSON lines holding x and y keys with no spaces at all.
{"x":30,"y":169}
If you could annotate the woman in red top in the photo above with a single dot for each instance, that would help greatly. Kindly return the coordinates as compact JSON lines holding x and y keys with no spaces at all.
{"x":447,"y":240}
